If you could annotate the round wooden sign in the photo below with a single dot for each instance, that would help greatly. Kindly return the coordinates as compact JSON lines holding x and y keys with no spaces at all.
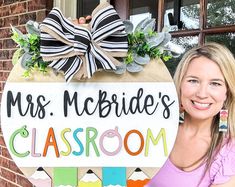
{"x":54,"y":129}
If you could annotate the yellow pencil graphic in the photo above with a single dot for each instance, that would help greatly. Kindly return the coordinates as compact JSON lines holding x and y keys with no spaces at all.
{"x":90,"y":179}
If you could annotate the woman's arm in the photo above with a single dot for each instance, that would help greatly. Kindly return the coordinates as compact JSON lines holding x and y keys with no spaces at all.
{"x":230,"y":183}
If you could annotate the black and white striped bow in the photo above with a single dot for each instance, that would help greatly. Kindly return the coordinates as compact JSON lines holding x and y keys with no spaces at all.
{"x":73,"y":48}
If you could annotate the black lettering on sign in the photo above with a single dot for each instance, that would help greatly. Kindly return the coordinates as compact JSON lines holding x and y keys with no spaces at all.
{"x":33,"y":109}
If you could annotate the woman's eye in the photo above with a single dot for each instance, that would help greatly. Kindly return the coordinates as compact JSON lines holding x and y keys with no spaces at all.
{"x":193,"y":81}
{"x":215,"y":84}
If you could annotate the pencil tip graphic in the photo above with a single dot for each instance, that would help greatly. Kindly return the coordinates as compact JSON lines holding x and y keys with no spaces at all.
{"x":40,"y":169}
{"x":138,"y":170}
{"x":89,"y":171}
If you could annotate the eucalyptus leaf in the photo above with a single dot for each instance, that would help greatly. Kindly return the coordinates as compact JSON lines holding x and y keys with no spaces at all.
{"x":161,"y":49}
{"x":150,"y":25}
{"x":146,"y":25}
{"x":141,"y":60}
{"x":19,"y":34}
{"x":128,"y":26}
{"x":14,"y":29}
{"x":32,"y":27}
{"x":167,"y":39}
{"x":16,"y":56}
{"x":120,"y":69}
{"x":134,"y":68}
{"x":155,"y":41}
{"x":26,"y":57}
{"x":26,"y":49}
{"x":141,"y":25}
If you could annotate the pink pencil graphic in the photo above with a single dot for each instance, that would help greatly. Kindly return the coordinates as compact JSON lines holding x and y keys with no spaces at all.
{"x":40,"y":178}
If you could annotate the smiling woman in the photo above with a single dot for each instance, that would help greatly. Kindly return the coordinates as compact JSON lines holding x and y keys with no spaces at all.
{"x":205,"y":83}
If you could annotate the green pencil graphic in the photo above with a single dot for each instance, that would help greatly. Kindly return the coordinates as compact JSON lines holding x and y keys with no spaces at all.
{"x":65,"y":177}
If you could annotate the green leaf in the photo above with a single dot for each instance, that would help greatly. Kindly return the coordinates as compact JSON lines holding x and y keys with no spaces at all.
{"x":17,"y":54}
{"x":26,"y":74}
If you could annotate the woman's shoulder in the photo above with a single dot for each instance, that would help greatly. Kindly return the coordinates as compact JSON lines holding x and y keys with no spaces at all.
{"x":223,"y":166}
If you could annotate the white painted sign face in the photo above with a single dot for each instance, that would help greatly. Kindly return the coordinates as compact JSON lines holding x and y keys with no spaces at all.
{"x":89,"y":124}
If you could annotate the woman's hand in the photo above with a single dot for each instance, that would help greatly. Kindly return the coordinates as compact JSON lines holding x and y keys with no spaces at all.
{"x":82,"y":20}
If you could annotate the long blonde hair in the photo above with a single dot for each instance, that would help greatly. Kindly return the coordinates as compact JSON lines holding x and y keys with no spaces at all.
{"x":226,"y":62}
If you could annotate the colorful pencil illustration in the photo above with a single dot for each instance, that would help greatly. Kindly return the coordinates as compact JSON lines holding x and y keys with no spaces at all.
{"x":40,"y":178}
{"x":65,"y":177}
{"x":114,"y":176}
{"x":137,"y":179}
{"x":90,"y":179}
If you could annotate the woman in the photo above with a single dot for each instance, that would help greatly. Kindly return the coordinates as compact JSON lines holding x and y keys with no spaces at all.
{"x":203,"y":154}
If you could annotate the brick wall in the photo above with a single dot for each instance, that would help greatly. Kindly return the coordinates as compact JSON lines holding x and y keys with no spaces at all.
{"x":15,"y":13}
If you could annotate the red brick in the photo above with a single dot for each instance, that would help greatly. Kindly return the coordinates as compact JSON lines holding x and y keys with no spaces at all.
{"x":5,"y":76}
{"x":22,"y":29}
{"x":4,"y":54}
{"x":4,"y":162}
{"x":1,"y":2}
{"x":23,"y":181}
{"x":41,"y":15}
{"x":3,"y":182}
{"x":2,"y":85}
{"x":9,"y":44}
{"x":6,"y":153}
{"x":6,"y":65}
{"x":2,"y":142}
{"x":26,"y":17}
{"x":49,"y":5}
{"x":36,"y":5}
{"x":11,"y":53}
{"x":0,"y":150}
{"x":1,"y":22}
{"x":13,"y":167}
{"x":7,"y":2}
{"x":4,"y":11}
{"x":1,"y":41}
{"x":8,"y":175}
{"x":7,"y":22}
{"x":5,"y":33}
{"x":9,"y":184}
{"x":18,"y":8}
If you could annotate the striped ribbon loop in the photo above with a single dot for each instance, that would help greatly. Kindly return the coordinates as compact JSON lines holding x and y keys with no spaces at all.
{"x":75,"y":48}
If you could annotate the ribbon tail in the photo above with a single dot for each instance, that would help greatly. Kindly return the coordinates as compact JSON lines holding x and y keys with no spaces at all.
{"x":70,"y":66}
{"x":91,"y":66}
{"x":102,"y":60}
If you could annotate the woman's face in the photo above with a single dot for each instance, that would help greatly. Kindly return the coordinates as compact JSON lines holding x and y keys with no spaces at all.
{"x":203,"y":89}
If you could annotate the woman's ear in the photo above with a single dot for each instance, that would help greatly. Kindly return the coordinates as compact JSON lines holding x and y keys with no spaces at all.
{"x":181,"y":108}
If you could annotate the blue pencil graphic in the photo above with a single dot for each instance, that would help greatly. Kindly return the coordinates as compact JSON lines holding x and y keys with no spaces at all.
{"x":114,"y":176}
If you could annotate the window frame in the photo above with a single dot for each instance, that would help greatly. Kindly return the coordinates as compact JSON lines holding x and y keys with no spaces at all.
{"x":123,"y":8}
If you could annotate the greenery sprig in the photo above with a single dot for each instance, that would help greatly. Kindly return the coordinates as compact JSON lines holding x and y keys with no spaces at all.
{"x":29,"y":49}
{"x":145,"y":42}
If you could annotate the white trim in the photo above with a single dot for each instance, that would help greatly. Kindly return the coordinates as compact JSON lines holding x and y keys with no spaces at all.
{"x":68,"y":7}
